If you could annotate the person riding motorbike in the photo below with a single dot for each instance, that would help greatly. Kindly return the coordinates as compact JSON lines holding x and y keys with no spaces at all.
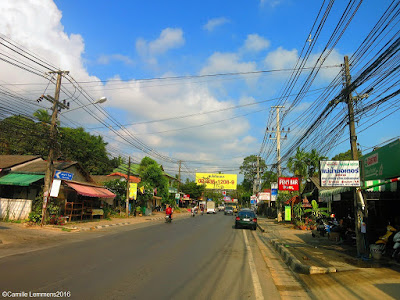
{"x":169,"y":211}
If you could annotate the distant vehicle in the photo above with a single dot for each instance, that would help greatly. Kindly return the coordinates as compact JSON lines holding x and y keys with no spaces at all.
{"x":221,"y":207}
{"x":211,"y":207}
{"x":246,"y":218}
{"x":228,"y":210}
{"x":235,"y":208}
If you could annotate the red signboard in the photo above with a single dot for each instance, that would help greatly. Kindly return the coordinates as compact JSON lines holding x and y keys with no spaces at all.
{"x":288,"y":184}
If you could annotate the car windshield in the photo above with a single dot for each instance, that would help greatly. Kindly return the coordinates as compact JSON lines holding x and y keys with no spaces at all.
{"x":228,"y":208}
{"x":247,"y":214}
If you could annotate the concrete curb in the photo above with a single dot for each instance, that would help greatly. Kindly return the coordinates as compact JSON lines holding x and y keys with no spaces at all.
{"x":294,"y":263}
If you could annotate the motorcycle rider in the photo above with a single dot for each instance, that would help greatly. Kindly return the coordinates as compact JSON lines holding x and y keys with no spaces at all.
{"x":169,"y":211}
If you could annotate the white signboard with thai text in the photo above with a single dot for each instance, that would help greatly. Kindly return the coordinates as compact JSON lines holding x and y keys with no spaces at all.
{"x":340,"y":173}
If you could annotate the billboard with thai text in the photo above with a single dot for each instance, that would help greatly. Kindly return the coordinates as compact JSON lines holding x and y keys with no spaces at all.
{"x":340,"y":173}
{"x":217,"y":181}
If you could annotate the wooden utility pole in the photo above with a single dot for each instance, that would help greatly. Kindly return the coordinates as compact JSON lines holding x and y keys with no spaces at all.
{"x":48,"y":178}
{"x":358,"y":213}
{"x":127,"y":188}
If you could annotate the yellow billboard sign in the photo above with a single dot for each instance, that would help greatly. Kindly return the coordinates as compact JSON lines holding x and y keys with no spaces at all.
{"x":217,"y":181}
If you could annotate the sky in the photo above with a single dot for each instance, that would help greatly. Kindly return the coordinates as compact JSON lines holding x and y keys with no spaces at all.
{"x":193,"y":81}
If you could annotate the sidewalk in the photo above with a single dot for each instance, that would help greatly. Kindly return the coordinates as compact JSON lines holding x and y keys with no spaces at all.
{"x":308,"y":255}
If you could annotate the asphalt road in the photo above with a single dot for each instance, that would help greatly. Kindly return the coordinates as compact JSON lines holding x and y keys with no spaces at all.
{"x":192,"y":258}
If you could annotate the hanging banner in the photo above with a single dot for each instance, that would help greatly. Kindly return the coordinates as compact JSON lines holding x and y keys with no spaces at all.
{"x":133,"y":191}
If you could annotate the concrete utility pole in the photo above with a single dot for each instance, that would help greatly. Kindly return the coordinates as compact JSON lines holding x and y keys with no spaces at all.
{"x":278,"y":150}
{"x":179,"y":176}
{"x":48,"y":178}
{"x":358,"y":213}
{"x":127,"y":188}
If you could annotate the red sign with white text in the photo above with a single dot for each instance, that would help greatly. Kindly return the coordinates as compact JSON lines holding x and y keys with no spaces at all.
{"x":288,"y":184}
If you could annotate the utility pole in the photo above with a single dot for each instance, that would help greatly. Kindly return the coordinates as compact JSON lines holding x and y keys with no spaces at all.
{"x":48,"y":178}
{"x":179,"y":175}
{"x":127,"y":188}
{"x":278,"y":149}
{"x":358,"y":213}
{"x":256,"y":183}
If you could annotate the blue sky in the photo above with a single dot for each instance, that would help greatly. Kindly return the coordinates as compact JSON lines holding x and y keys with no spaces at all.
{"x":111,"y":47}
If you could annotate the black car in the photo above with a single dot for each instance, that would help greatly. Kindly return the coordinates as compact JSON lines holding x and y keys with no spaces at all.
{"x":246,"y":218}
{"x":228,"y":210}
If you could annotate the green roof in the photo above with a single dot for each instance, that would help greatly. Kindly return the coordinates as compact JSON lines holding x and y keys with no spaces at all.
{"x":124,"y":169}
{"x":21,"y":179}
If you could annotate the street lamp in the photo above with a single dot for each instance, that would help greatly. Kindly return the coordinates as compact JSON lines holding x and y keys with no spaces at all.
{"x":98,"y":101}
{"x":53,"y":137}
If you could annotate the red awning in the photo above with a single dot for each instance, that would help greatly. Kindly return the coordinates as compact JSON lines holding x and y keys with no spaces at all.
{"x":91,"y":191}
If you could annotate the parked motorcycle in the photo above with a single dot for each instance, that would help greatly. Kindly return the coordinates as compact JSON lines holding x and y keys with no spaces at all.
{"x":325,"y":226}
{"x":396,"y":247}
{"x":384,"y":239}
{"x":168,"y":219}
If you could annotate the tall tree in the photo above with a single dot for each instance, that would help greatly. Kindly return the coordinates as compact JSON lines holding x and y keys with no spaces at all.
{"x":298,"y":163}
{"x":346,"y":155}
{"x":42,"y":115}
{"x":151,"y":173}
{"x":313,"y":162}
{"x":249,"y":168}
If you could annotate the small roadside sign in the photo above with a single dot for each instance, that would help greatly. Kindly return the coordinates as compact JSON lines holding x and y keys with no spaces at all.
{"x":63,"y":175}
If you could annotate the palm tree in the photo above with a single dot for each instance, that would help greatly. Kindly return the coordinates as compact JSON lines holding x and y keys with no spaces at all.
{"x":298,"y":163}
{"x":313,"y":162}
{"x":42,"y":115}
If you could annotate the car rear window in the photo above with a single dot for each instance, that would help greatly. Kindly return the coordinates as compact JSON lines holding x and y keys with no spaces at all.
{"x":228,"y":207}
{"x":247,"y":214}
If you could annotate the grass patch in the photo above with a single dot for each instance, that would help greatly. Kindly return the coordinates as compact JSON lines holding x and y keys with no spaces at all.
{"x":66,"y":229}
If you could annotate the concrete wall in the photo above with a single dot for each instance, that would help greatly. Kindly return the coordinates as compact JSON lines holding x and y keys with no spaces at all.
{"x":16,"y":209}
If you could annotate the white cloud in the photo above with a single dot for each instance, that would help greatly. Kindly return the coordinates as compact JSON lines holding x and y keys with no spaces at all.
{"x":271,"y":3}
{"x":255,"y":43}
{"x":36,"y":25}
{"x":169,"y":38}
{"x":281,"y":59}
{"x":106,"y":59}
{"x":227,"y":62}
{"x":214,"y":23}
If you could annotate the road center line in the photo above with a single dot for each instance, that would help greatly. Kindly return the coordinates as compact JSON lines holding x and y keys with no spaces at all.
{"x":253,"y":271}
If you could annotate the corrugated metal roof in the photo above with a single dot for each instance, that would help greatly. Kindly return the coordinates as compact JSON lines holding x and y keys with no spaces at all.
{"x":20,"y":179}
{"x":8,"y":161}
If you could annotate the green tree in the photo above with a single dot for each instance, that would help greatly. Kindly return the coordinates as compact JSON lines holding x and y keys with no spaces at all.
{"x":191,"y":188}
{"x":21,"y":135}
{"x":43,"y":116}
{"x":249,"y":169}
{"x":297,"y":164}
{"x":346,"y":155}
{"x":118,"y":187}
{"x":89,"y":150}
{"x":151,"y":173}
{"x":267,"y":178}
{"x":313,"y":159}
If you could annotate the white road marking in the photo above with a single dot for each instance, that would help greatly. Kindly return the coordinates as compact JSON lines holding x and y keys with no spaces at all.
{"x":256,"y":281}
